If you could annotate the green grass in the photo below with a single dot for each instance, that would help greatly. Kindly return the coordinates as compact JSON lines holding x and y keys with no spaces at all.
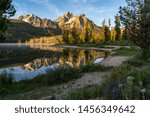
{"x":138,"y":61}
{"x":103,"y":43}
{"x":125,"y":52}
{"x":85,"y":93}
{"x":119,"y":43}
{"x":62,"y":75}
{"x":126,"y":83}
{"x":93,"y":68}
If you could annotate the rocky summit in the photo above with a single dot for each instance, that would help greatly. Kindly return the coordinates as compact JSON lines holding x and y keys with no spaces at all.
{"x":38,"y":22}
{"x":69,"y":20}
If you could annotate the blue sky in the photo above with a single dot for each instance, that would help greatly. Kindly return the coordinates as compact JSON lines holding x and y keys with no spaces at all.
{"x":96,"y":10}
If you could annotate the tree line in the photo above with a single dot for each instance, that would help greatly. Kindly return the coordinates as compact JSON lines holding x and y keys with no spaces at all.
{"x":89,"y":35}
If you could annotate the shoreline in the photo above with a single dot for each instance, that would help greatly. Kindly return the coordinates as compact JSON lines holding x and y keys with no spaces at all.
{"x":67,"y":46}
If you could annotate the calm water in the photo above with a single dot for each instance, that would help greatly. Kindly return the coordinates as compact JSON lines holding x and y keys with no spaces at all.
{"x":27,"y":61}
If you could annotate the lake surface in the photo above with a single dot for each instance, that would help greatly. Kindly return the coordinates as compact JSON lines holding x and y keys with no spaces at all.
{"x":27,"y":61}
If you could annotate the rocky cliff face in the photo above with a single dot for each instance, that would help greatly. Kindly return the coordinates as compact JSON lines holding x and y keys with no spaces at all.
{"x":38,"y":22}
{"x":70,"y":20}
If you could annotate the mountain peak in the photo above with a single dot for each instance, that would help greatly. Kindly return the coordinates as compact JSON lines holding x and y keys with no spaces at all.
{"x":37,"y":21}
{"x":82,"y":15}
{"x":69,"y":14}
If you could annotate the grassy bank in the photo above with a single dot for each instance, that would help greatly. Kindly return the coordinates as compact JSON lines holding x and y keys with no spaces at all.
{"x":132,"y":51}
{"x":125,"y":83}
{"x":102,"y":44}
{"x":85,"y":93}
{"x":58,"y":76}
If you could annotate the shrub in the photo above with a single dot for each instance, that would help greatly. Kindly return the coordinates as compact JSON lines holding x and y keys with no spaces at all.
{"x":138,"y":60}
{"x":87,"y":92}
{"x":127,"y":83}
{"x":6,"y":81}
{"x":62,"y":74}
{"x":93,"y":68}
{"x":6,"y":78}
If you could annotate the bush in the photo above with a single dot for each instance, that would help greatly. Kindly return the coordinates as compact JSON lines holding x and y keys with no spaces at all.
{"x":6,"y":81}
{"x":127,"y":83}
{"x":126,"y":52}
{"x":93,"y":68}
{"x":138,"y":60}
{"x":62,"y":74}
{"x":88,"y":92}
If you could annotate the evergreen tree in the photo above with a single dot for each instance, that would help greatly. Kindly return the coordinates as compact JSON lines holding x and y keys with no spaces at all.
{"x":136,"y":18}
{"x":125,"y":34}
{"x":66,"y":36}
{"x":103,"y":30}
{"x":117,"y":28}
{"x":6,"y":10}
{"x":88,"y":33}
{"x":109,"y":23}
{"x":105,"y":34}
{"x":109,"y":29}
{"x":113,"y":34}
{"x":76,"y":35}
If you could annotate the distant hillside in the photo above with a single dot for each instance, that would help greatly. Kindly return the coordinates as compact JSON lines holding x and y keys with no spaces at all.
{"x":21,"y":31}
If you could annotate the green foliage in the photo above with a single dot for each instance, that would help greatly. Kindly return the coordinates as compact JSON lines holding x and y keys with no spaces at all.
{"x":85,"y":93}
{"x":88,"y":33}
{"x":6,"y":81}
{"x":128,"y":83}
{"x":135,"y":17}
{"x":126,"y":52}
{"x":6,"y":10}
{"x":76,"y":35}
{"x":93,"y":68}
{"x":66,"y":36}
{"x":117,"y":28}
{"x":138,"y":61}
{"x":105,"y":33}
{"x":62,"y":74}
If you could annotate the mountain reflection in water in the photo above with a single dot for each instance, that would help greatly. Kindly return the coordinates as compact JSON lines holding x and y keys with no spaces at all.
{"x":27,"y":61}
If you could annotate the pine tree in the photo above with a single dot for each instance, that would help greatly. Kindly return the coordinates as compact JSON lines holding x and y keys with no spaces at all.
{"x":109,"y":29}
{"x":135,"y":17}
{"x":6,"y":10}
{"x":117,"y":28}
{"x":105,"y":34}
{"x":88,"y":33}
{"x":109,"y":23}
{"x":103,"y":30}
{"x":66,"y":36}
{"x":76,"y":35}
